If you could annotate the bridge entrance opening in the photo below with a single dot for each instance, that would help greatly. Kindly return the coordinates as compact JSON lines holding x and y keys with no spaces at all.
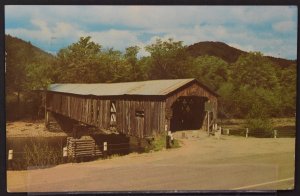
{"x":188,"y":113}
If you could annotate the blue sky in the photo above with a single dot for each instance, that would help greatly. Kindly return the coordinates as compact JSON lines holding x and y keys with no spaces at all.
{"x":271,"y":30}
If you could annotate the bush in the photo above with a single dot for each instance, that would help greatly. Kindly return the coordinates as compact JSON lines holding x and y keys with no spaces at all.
{"x":41,"y":155}
{"x":260,"y":127}
{"x":258,"y":121}
{"x":158,"y":143}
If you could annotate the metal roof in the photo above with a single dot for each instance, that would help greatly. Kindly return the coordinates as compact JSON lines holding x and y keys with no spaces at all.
{"x":150,"y":87}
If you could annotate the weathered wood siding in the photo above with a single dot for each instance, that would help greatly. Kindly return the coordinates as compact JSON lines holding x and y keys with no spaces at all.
{"x":193,"y":89}
{"x":128,"y":122}
{"x":139,"y":116}
{"x":96,"y":111}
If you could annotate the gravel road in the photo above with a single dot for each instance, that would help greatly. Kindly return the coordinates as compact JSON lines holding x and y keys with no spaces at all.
{"x":202,"y":163}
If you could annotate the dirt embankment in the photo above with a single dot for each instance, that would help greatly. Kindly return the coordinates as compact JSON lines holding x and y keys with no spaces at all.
{"x":29,"y":129}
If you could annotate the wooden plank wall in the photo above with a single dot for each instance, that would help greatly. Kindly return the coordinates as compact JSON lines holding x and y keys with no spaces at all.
{"x":192,"y":90}
{"x":96,"y":112}
{"x":154,"y":116}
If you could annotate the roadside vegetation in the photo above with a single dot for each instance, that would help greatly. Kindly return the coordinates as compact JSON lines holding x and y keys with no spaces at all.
{"x":159,"y":142}
{"x":37,"y":155}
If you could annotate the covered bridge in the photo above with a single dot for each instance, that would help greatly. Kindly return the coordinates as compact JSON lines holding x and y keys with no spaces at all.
{"x":139,"y":109}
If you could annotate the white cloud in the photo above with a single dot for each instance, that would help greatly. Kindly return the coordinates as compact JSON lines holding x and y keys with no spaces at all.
{"x":123,"y":25}
{"x":284,"y":26}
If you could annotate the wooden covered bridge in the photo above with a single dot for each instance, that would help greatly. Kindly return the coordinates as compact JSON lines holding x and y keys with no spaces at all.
{"x":139,"y":109}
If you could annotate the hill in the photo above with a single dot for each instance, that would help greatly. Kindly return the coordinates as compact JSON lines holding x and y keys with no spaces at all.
{"x":19,"y":48}
{"x":20,"y":56}
{"x":226,"y":52}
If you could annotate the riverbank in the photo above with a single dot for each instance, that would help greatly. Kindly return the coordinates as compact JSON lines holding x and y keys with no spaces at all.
{"x":30,"y":129}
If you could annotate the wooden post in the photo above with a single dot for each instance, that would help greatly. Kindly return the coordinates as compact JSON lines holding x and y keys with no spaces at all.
{"x":46,"y":113}
{"x":247,"y":131}
{"x":46,"y":119}
{"x":10,"y":155}
{"x":65,"y":152}
{"x":275,"y":133}
{"x":208,"y":123}
{"x":218,"y":133}
{"x":168,"y":140}
{"x":227,"y":131}
{"x":104,"y":149}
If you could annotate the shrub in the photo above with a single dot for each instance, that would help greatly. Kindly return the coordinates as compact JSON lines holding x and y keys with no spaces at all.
{"x":258,"y":121}
{"x":158,"y":143}
{"x":259,"y":127}
{"x":41,"y":155}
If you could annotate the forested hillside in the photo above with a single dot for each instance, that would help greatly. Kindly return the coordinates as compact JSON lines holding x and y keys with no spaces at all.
{"x":227,"y":53}
{"x":249,"y":84}
{"x":21,"y":56}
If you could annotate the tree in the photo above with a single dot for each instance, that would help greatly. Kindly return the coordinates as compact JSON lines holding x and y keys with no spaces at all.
{"x":211,"y":70}
{"x":79,"y":62}
{"x":287,"y":91}
{"x":39,"y":77}
{"x":115,"y":68}
{"x":131,"y":58}
{"x":255,"y":70}
{"x":169,"y":59}
{"x":19,"y":55}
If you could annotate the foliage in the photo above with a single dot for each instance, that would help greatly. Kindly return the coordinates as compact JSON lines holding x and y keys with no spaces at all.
{"x":216,"y":49}
{"x":242,"y":79}
{"x":254,"y":70}
{"x":39,"y":76}
{"x":227,"y":53}
{"x":135,"y":66}
{"x":158,"y":143}
{"x":169,"y":60}
{"x":79,"y":62}
{"x":22,"y":60}
{"x":40,"y":155}
{"x":211,"y":70}
{"x":258,"y":121}
{"x":113,"y":67}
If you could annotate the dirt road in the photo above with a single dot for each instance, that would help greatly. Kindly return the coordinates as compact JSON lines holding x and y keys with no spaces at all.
{"x":202,"y":163}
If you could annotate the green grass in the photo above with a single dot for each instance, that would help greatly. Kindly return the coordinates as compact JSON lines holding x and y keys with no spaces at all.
{"x":159,"y":143}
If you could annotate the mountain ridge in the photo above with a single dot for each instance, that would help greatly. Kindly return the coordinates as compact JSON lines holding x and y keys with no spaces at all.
{"x":212,"y":48}
{"x":227,"y":53}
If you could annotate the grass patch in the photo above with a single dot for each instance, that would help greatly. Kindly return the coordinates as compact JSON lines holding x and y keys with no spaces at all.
{"x":158,"y":143}
{"x":37,"y":155}
{"x":41,"y":155}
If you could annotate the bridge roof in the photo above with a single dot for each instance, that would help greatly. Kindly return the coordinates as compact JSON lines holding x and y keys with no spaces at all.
{"x":150,"y":87}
